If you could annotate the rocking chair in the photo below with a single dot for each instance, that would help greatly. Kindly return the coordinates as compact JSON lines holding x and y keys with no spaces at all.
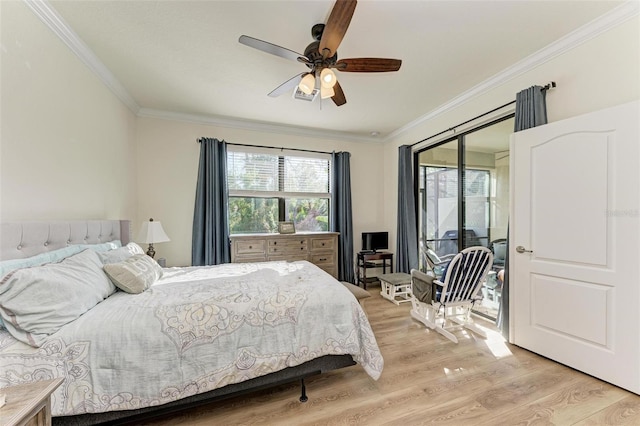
{"x":453,"y":298}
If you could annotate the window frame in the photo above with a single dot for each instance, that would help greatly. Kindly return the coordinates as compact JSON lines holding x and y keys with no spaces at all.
{"x":282,"y":195}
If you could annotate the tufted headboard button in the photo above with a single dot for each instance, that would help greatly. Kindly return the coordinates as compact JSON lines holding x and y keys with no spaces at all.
{"x":46,"y":244}
{"x":19,"y":247}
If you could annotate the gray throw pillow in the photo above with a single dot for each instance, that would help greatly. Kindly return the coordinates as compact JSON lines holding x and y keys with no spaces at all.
{"x":135,"y":274}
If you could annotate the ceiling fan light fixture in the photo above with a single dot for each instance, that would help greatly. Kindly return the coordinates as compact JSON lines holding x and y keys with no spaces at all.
{"x":307,"y":84}
{"x":326,"y":92}
{"x":328,"y":78}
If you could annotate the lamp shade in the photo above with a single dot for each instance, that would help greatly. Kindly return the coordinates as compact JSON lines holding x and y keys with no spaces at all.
{"x":328,"y":78}
{"x":326,"y":92}
{"x":152,"y":232}
{"x":307,"y":84}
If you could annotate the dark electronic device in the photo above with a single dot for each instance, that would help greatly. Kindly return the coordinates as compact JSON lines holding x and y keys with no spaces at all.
{"x":374,"y":241}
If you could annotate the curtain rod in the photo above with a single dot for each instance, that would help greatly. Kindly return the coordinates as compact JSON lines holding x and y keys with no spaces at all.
{"x":274,"y":147}
{"x":551,"y":85}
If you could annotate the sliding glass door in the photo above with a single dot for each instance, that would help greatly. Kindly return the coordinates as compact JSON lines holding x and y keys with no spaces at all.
{"x":463,"y":198}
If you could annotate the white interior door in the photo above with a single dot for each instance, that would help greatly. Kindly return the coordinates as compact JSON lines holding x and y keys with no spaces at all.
{"x":575,"y":206}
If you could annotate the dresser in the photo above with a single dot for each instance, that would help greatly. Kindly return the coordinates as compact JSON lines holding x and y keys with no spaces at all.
{"x":319,"y":248}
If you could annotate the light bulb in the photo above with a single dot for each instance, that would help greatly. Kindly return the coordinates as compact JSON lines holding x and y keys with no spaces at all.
{"x":328,"y":77}
{"x":326,"y":92}
{"x":307,"y":83}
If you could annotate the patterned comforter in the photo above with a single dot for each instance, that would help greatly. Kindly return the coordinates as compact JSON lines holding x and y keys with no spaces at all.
{"x":194,"y":330}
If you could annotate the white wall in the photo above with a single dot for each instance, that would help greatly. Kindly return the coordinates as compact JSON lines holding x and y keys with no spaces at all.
{"x":66,"y":142}
{"x":602,"y":72}
{"x":168,"y":165}
{"x":70,"y":149}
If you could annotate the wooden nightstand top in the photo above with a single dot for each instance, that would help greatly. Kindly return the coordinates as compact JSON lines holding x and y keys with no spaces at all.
{"x":24,"y":402}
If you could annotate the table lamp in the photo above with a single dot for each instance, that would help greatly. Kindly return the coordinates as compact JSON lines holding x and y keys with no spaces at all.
{"x":152,"y":232}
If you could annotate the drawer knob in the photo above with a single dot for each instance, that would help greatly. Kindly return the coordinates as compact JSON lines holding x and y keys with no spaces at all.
{"x":250,"y":247}
{"x":275,"y":242}
{"x":301,"y":248}
{"x":322,"y":244}
{"x":275,"y":249}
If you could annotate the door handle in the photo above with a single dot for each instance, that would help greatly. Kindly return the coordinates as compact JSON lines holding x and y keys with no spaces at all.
{"x":521,"y":249}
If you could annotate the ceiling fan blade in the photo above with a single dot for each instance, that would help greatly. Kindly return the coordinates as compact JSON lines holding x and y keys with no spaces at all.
{"x":368,"y":65}
{"x":338,"y":97}
{"x":336,"y":27}
{"x":265,"y":46}
{"x":287,"y":85}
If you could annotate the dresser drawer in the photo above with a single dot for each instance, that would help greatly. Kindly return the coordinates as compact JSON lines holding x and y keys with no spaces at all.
{"x":250,"y":247}
{"x":318,"y":244}
{"x":290,"y":257}
{"x":330,"y":269}
{"x":293,"y":246}
{"x":321,"y":259}
{"x":249,"y":259}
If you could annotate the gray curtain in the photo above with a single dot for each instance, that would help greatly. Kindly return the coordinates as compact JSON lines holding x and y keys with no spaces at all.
{"x":210,"y":240}
{"x":341,"y":218}
{"x":531,"y":108}
{"x":407,"y":232}
{"x":531,"y":111}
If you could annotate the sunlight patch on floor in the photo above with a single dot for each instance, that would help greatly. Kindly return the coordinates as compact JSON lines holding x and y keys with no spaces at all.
{"x":497,"y":344}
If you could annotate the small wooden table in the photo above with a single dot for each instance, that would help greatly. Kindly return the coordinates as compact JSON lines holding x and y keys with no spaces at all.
{"x":367,"y":260}
{"x":28,"y":404}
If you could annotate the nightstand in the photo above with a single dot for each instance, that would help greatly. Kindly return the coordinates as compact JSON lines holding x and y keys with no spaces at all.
{"x":29,"y":404}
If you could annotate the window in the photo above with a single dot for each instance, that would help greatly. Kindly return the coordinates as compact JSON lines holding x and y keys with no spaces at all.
{"x":267,"y":187}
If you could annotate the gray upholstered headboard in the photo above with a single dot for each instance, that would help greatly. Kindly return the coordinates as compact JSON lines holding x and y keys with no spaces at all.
{"x":25,"y":239}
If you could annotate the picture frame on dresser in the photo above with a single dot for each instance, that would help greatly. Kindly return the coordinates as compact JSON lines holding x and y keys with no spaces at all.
{"x":286,"y":228}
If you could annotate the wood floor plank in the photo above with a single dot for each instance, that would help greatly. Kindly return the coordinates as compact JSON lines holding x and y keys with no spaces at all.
{"x":569,"y":405}
{"x":428,"y":379}
{"x":625,"y":412}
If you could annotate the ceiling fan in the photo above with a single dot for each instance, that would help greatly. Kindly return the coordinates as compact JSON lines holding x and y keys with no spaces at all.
{"x":321,"y":57}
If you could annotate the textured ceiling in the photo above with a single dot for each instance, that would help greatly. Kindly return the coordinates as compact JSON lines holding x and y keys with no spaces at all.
{"x":183,"y":57}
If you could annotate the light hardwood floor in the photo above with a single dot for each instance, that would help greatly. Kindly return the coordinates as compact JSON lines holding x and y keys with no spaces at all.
{"x":429,"y":380}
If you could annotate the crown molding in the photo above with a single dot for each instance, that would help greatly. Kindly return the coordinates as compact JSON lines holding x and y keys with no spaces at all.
{"x":257,"y":126}
{"x":54,"y":21}
{"x":47,"y":14}
{"x":575,"y":38}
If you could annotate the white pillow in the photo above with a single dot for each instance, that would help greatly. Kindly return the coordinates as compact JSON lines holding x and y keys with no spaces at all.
{"x":36,"y":302}
{"x":111,"y":245}
{"x":120,"y":254}
{"x":7,"y":266}
{"x":135,"y":274}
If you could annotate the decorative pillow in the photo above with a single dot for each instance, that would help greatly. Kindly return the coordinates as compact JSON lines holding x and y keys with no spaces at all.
{"x":36,"y":302}
{"x":134,"y":275}
{"x":120,"y":254}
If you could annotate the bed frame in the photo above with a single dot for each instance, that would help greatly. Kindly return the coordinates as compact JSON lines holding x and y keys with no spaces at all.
{"x":26,"y":239}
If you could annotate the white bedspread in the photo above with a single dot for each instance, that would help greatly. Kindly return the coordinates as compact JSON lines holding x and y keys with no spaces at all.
{"x":194,"y":330}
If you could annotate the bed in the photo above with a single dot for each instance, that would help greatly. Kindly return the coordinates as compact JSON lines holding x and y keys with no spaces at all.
{"x":79,"y":300}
